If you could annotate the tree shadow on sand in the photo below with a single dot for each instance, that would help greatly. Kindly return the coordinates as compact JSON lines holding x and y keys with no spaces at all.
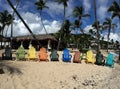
{"x":6,"y":68}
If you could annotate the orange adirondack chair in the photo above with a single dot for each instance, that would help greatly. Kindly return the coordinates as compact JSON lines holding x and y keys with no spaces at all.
{"x":43,"y":54}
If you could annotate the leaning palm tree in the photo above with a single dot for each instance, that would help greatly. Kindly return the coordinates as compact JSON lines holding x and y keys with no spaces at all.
{"x":40,"y":6}
{"x":64,"y":2}
{"x":12,"y":6}
{"x":109,"y":26}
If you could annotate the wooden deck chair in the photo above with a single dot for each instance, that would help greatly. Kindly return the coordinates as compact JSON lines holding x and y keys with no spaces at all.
{"x":54,"y":55}
{"x":21,"y":53}
{"x":77,"y":57}
{"x":90,"y":57}
{"x":110,"y":60}
{"x":66,"y":56}
{"x":7,"y":55}
{"x":100,"y":59}
{"x":32,"y":54}
{"x":43,"y":54}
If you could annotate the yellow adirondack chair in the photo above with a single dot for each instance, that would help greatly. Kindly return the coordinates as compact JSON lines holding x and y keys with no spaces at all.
{"x":90,"y":57}
{"x":32,"y":54}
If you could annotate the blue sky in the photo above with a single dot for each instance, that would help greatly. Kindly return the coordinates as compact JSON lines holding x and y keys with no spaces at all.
{"x":53,"y":16}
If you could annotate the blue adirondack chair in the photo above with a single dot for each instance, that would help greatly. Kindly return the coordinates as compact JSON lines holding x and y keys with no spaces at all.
{"x":110,"y":60}
{"x":66,"y":56}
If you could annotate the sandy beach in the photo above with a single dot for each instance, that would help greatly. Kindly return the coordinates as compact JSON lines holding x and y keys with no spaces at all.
{"x":58,"y":75}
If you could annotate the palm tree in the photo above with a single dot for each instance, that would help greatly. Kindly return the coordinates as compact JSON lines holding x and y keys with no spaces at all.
{"x":5,"y":19}
{"x":64,"y":2}
{"x":108,"y":25}
{"x":77,"y":24}
{"x":79,"y":12}
{"x":97,"y":27}
{"x":17,"y":3}
{"x":66,"y":31}
{"x":115,"y":9}
{"x":12,"y":6}
{"x":101,"y":42}
{"x":40,"y":6}
{"x":97,"y":33}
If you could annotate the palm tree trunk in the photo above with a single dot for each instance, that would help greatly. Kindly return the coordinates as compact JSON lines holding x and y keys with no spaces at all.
{"x":9,"y":2}
{"x":61,"y":30}
{"x":108,"y":39}
{"x":2,"y":33}
{"x":98,"y":37}
{"x":17,"y":3}
{"x":42,"y":22}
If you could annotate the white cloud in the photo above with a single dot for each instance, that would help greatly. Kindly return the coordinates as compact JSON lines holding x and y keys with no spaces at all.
{"x":55,"y":9}
{"x":87,"y":28}
{"x":70,"y":7}
{"x":103,"y":2}
{"x":87,"y":5}
{"x":114,"y":36}
{"x":102,"y":12}
{"x":102,"y":6}
{"x":34,"y":24}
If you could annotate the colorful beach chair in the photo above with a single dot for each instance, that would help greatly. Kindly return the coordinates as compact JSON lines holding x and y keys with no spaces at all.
{"x":77,"y":57}
{"x":90,"y":57}
{"x":110,"y":60}
{"x":21,"y":53}
{"x":32,"y":54}
{"x":54,"y":55}
{"x":7,"y":55}
{"x":83,"y":57}
{"x":43,"y":54}
{"x":66,"y":56}
{"x":99,"y":59}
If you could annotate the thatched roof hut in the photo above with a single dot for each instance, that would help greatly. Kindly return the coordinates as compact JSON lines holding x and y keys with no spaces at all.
{"x":4,"y":39}
{"x":39,"y":37}
{"x":43,"y":40}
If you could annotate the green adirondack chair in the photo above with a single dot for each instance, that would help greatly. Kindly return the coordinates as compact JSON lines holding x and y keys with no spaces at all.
{"x":21,"y":53}
{"x":54,"y":55}
{"x":7,"y":55}
{"x":99,"y":59}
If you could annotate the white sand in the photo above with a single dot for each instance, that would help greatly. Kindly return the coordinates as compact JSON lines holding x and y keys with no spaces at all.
{"x":58,"y":75}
